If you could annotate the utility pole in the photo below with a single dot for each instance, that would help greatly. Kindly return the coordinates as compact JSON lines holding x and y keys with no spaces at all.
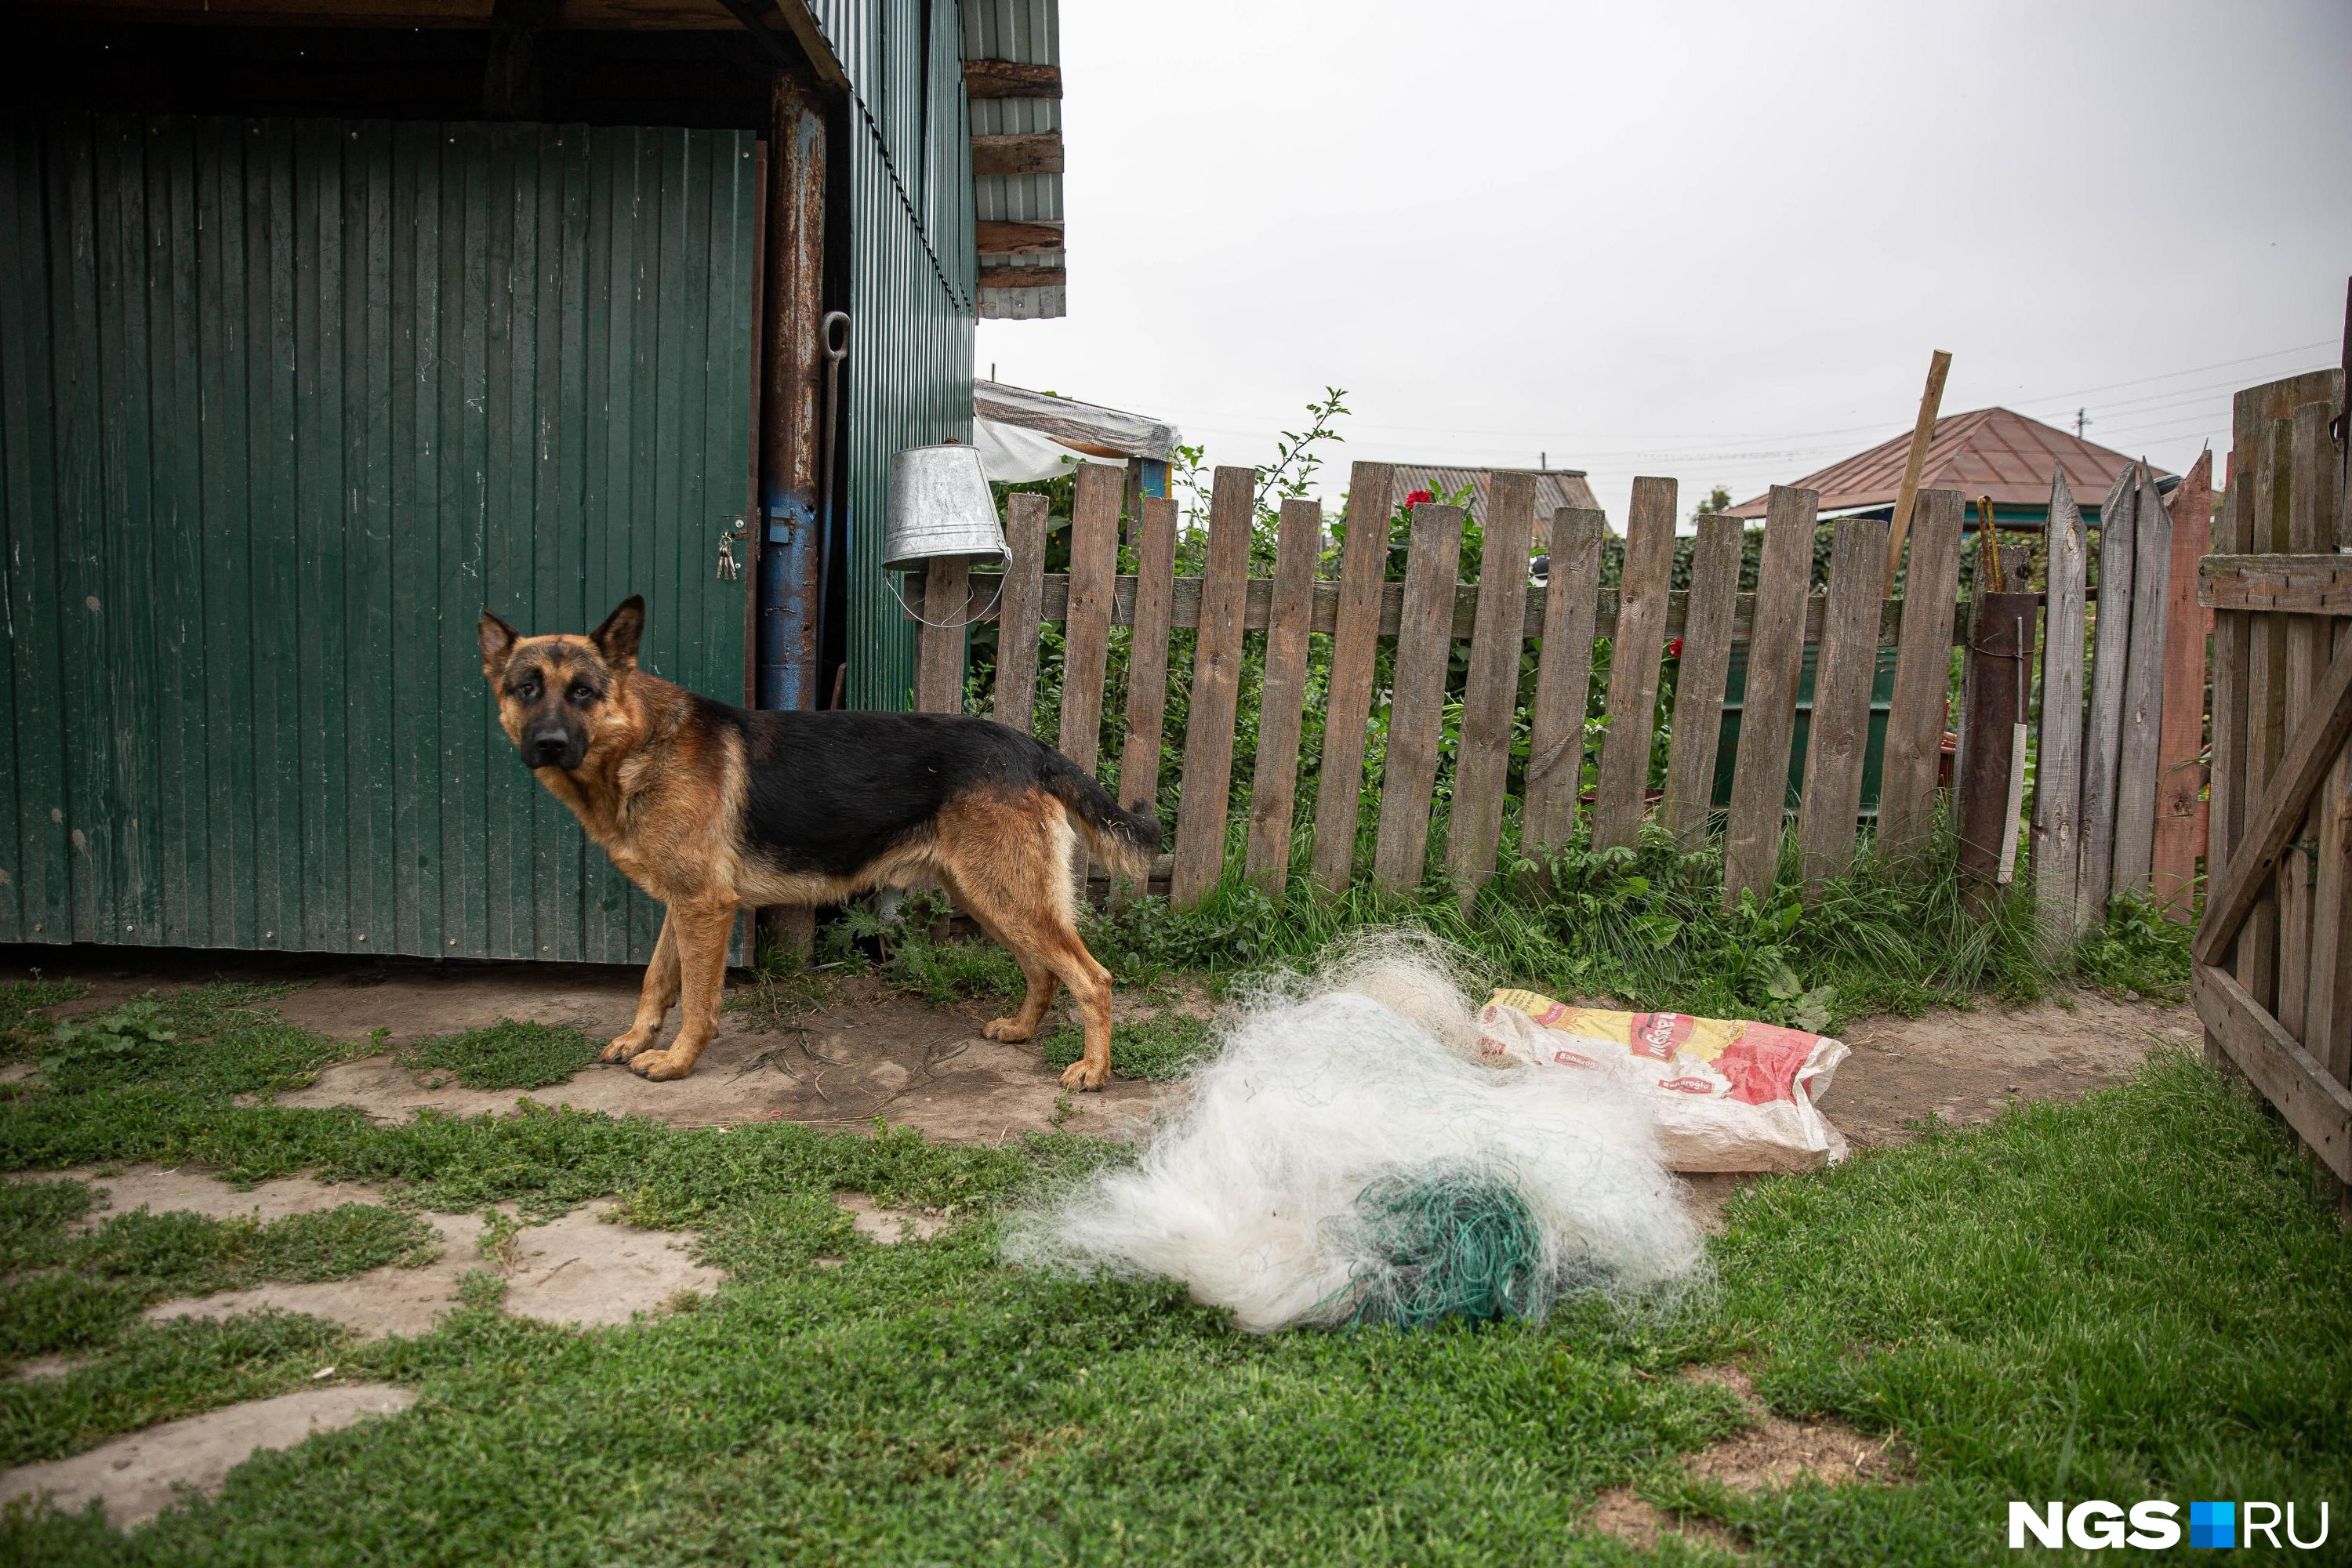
{"x":2082,"y":422}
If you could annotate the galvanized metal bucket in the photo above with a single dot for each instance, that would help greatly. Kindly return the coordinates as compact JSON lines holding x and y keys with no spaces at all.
{"x":939,"y":505}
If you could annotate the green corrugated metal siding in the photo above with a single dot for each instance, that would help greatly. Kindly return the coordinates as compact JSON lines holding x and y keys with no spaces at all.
{"x":282,"y":406}
{"x":912,"y":281}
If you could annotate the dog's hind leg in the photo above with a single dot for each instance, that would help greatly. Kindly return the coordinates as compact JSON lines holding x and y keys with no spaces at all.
{"x":702,"y":933}
{"x":1009,"y":864}
{"x":1039,"y":976}
{"x":654,"y":1001}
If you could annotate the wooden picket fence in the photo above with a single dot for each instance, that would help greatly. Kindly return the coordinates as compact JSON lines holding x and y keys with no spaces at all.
{"x":2116,"y":806}
{"x":1427,"y":613}
{"x":2273,"y":955}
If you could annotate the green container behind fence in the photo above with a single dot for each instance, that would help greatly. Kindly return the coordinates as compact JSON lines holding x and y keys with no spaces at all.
{"x":1874,"y":756}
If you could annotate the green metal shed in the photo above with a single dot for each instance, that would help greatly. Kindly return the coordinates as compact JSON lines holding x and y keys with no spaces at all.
{"x":316,"y":339}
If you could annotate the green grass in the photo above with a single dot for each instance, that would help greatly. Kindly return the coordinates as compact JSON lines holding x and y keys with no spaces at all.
{"x":1165,"y":1045}
{"x":24,"y":1023}
{"x":72,"y":1292}
{"x":160,"y":1372}
{"x":2133,"y":1296}
{"x":506,"y":1055}
{"x":2139,"y":952}
{"x":1645,"y":926}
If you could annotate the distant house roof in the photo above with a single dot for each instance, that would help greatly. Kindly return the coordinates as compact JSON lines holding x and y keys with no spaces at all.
{"x":1990,"y":452}
{"x":1555,"y":488}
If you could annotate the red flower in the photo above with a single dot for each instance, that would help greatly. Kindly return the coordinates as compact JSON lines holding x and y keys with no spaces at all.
{"x":1674,"y":649}
{"x":1420,"y":498}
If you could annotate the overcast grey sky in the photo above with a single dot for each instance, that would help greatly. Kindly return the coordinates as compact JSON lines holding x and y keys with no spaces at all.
{"x":1715,"y":241}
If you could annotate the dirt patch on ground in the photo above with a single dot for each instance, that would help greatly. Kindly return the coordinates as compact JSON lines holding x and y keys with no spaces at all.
{"x":137,"y":1475}
{"x":889,"y":1226}
{"x":872,"y":1053}
{"x":1619,"y":1513}
{"x":1968,"y":1067}
{"x":579,"y":1269}
{"x":1769,"y":1452}
{"x":1772,"y":1451}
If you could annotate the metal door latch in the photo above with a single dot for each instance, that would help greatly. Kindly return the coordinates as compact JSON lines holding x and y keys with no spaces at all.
{"x":729,"y":568}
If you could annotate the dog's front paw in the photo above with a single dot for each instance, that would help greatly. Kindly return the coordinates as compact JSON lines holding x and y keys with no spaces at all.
{"x":626,"y":1047}
{"x":1083,"y":1075}
{"x":1009,"y":1030}
{"x":662,"y":1065}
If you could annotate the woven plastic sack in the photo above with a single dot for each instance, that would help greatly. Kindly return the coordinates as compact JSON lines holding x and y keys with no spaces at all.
{"x":1731,"y":1095}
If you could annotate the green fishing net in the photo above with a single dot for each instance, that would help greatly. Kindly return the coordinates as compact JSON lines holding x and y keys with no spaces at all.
{"x":1444,"y":1241}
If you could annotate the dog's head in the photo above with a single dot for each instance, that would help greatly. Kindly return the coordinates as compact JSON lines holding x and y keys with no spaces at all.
{"x":554,"y":693}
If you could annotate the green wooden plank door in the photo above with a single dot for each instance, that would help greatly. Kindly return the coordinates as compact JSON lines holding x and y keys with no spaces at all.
{"x":283,"y":406}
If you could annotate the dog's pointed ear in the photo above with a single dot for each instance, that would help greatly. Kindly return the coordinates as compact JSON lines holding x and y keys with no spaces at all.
{"x":498,"y":640}
{"x":616,"y":639}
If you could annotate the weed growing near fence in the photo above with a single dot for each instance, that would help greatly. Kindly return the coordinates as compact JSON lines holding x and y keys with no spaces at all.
{"x":1644,"y":926}
{"x":1164,"y":1045}
{"x":507,"y":1055}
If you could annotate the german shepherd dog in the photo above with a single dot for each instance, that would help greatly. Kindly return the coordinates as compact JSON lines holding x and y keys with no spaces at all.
{"x":712,"y":808}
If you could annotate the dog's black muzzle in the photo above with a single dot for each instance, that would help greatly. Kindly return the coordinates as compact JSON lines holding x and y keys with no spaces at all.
{"x":553,"y":748}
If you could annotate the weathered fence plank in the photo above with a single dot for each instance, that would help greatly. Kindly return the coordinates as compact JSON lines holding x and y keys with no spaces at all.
{"x":1020,"y":612}
{"x":2274,"y":813}
{"x":1776,"y":652}
{"x":2233,"y":631}
{"x":1348,"y":705}
{"x":1563,"y":680}
{"x":1840,"y":730}
{"x":2265,"y":704}
{"x":1623,"y":788}
{"x":2143,"y":689}
{"x":2180,"y":746}
{"x":1417,"y":702}
{"x":1699,"y":684}
{"x":2327,"y":998}
{"x":940,"y":642}
{"x":1923,"y":666}
{"x":1185,"y":609}
{"x":2314,"y":1103}
{"x":2299,"y":584}
{"x":1491,"y":693}
{"x":1147,"y":657}
{"x":1207,"y":796}
{"x":1086,"y":629}
{"x":2058,"y":774}
{"x":1282,"y":704}
{"x":2308,"y":645}
{"x":2103,"y":725}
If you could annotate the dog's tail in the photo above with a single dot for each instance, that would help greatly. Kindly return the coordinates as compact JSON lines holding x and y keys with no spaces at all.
{"x":1124,"y":840}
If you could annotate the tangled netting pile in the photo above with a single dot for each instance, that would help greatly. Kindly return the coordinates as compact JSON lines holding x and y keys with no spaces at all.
{"x":1351,"y":1155}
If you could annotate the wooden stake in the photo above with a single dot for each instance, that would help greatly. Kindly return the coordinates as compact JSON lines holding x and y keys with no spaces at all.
{"x":1939,"y":364}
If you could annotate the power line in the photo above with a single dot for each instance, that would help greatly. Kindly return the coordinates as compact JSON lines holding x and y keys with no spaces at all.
{"x":1657,"y":442}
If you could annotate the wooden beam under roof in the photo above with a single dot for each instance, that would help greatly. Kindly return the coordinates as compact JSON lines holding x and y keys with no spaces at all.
{"x":1023,"y":277}
{"x":1005,"y":238}
{"x":1010,"y":78}
{"x":1032,"y":152}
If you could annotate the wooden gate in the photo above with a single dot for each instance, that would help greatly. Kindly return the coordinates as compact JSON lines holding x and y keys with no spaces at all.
{"x":2273,"y":955}
{"x":282,"y":406}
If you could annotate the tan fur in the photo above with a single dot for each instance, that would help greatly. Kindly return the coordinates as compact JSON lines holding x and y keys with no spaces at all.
{"x":664,"y":796}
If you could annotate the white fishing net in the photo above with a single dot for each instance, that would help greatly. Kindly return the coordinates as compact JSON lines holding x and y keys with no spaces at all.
{"x":1351,"y":1109}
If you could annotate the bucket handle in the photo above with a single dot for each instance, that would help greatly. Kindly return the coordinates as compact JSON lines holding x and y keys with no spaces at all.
{"x":947,"y":625}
